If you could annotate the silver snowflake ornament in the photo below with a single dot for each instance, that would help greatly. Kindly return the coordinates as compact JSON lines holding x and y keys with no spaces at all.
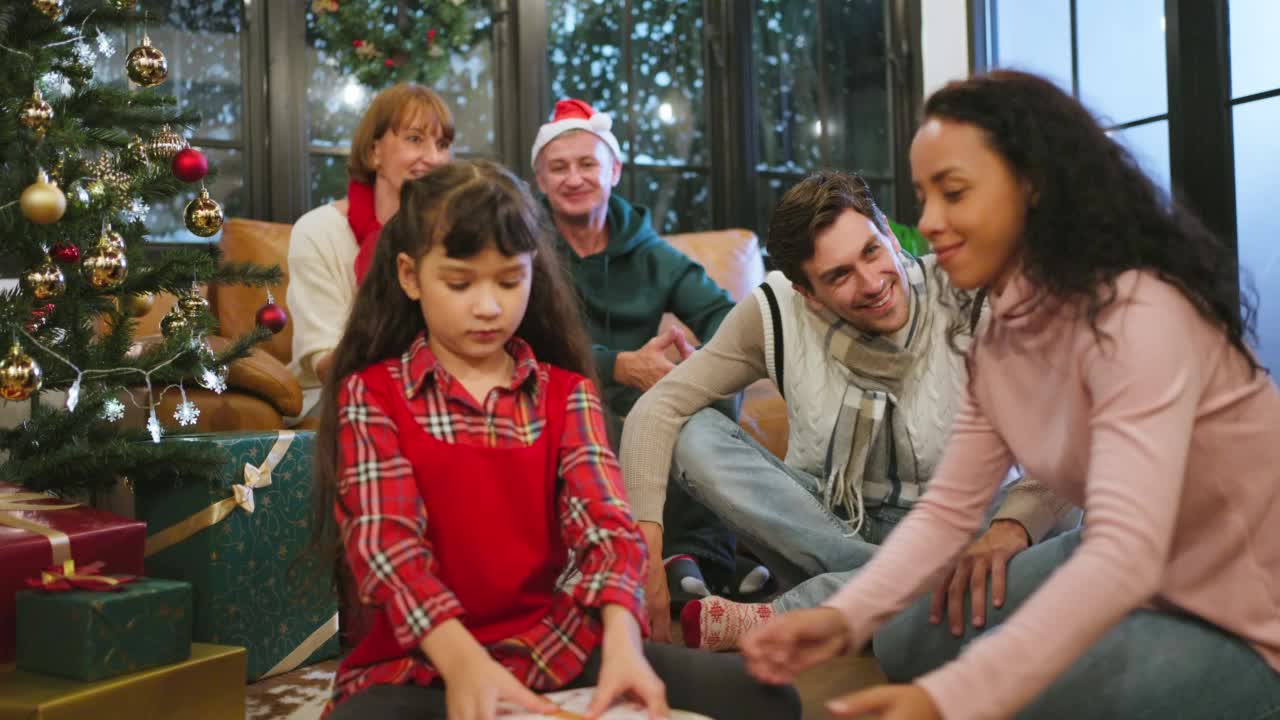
{"x":187,"y":413}
{"x":112,"y":410}
{"x":84,"y":53}
{"x":105,"y":46}
{"x":137,"y":210}
{"x":214,"y":380}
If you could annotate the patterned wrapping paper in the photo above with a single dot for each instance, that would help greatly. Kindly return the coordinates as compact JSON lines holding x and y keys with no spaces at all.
{"x":208,"y":686}
{"x":244,"y":544}
{"x":90,"y":636}
{"x":38,"y":531}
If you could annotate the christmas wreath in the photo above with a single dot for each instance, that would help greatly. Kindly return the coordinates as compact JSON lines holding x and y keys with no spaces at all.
{"x":383,"y":42}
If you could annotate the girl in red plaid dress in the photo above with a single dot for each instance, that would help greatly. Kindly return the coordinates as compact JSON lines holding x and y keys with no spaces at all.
{"x":463,"y":462}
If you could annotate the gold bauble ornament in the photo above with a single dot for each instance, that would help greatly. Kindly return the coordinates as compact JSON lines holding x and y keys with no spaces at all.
{"x":20,"y":376}
{"x":203,"y":215}
{"x":193,"y":305}
{"x":111,"y":238}
{"x":139,"y":304}
{"x":36,"y":114}
{"x":136,"y":153}
{"x":51,"y":8}
{"x":44,"y":281}
{"x":105,"y":266}
{"x":146,"y":65}
{"x":165,"y":144}
{"x":42,"y":202}
{"x":174,"y":322}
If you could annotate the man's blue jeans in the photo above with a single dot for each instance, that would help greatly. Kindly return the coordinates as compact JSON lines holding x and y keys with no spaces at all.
{"x":774,"y":509}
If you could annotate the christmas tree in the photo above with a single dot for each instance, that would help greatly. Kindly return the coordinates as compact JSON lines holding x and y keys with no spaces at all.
{"x":79,"y":164}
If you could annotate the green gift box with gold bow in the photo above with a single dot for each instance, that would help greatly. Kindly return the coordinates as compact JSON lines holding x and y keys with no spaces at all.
{"x":93,"y":635}
{"x":244,"y":545}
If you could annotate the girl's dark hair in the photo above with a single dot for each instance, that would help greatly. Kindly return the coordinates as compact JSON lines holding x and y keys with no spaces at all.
{"x":1096,"y":214}
{"x":468,"y":205}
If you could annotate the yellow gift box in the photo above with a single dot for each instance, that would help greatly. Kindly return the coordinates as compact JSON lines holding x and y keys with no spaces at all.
{"x":209,"y":686}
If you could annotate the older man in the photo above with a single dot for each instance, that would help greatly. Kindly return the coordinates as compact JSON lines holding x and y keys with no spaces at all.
{"x":627,"y":277}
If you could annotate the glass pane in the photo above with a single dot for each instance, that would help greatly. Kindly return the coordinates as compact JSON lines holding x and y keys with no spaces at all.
{"x":201,"y":40}
{"x":328,"y":178}
{"x":857,"y":124}
{"x":667,"y":107}
{"x":164,"y":222}
{"x":679,"y":201}
{"x":769,"y":190}
{"x":1033,"y":36}
{"x":1254,"y":66}
{"x":1122,"y":58}
{"x":784,"y":43}
{"x":1258,"y":216}
{"x":584,"y":58}
{"x":1150,"y":145}
{"x":336,"y":99}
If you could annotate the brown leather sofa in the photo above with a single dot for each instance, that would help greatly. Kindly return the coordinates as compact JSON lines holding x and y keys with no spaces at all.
{"x":261,"y":391}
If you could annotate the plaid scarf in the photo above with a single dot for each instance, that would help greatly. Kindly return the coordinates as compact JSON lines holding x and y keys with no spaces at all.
{"x":879,"y":367}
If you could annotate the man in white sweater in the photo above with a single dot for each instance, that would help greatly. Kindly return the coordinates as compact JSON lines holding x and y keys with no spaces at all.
{"x":858,"y":338}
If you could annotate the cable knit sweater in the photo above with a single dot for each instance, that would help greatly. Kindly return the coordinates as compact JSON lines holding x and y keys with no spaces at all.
{"x":1164,"y":436}
{"x":736,"y":356}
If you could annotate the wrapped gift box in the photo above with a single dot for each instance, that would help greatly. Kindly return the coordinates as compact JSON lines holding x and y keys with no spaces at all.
{"x":38,"y":531}
{"x":209,"y":686}
{"x":91,"y":636}
{"x":244,"y":544}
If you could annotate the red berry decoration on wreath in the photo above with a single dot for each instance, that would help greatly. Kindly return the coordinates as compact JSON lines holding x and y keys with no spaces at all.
{"x":271,"y":316}
{"x":65,"y":253}
{"x":190,"y":165}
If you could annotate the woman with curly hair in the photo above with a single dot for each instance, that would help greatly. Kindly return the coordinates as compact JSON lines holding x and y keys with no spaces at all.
{"x":1114,"y":367}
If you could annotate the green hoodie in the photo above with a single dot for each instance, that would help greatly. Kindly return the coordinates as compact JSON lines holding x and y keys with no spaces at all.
{"x":626,"y":289}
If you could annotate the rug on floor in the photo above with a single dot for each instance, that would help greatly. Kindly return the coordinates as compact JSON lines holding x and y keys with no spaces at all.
{"x":298,"y":695}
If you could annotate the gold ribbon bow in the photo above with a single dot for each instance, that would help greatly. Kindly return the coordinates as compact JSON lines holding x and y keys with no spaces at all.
{"x":255,"y":478}
{"x":70,"y":579}
{"x":13,"y":503}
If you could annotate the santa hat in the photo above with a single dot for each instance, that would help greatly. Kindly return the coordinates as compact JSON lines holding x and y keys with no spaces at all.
{"x":575,"y":115}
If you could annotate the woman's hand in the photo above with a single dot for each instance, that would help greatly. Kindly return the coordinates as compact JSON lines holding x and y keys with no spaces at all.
{"x":887,"y":702}
{"x":624,"y":671}
{"x":786,"y":645}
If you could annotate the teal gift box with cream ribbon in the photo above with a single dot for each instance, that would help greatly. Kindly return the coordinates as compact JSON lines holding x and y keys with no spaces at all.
{"x":244,"y":545}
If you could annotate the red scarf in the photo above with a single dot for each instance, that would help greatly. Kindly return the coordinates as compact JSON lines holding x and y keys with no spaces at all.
{"x":363,"y":219}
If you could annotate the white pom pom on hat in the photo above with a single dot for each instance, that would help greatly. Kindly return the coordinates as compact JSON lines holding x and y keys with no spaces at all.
{"x":571,"y":114}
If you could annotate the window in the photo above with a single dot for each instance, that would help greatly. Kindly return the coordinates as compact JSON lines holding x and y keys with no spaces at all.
{"x":641,"y":61}
{"x":204,"y":45}
{"x":1109,"y":55}
{"x":822,"y":97}
{"x":336,"y":101}
{"x":1255,"y":100}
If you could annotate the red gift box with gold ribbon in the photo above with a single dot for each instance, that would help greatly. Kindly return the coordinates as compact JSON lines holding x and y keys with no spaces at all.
{"x":38,"y":531}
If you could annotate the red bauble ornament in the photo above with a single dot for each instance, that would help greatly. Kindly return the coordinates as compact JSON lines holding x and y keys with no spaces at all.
{"x":389,"y":62}
{"x":272,"y":317}
{"x":39,"y":316}
{"x":190,"y":165}
{"x":357,"y":43}
{"x":65,"y":253}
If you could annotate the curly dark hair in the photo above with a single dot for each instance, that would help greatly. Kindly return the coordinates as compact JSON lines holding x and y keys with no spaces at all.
{"x":468,"y":205}
{"x":1097,"y":214}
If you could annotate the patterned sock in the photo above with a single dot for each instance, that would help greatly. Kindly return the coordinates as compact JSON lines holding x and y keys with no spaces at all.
{"x":717,"y":624}
{"x":755,"y":580}
{"x":683,"y":573}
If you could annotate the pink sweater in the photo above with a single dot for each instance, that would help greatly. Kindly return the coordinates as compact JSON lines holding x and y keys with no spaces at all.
{"x":1164,"y":438}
